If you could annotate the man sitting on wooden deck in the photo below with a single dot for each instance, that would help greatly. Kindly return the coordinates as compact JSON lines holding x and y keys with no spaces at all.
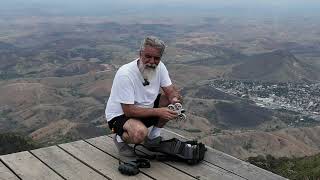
{"x":135,"y":102}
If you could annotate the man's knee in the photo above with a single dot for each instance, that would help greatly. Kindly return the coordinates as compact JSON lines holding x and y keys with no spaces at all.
{"x":137,"y":131}
{"x":140,"y":134}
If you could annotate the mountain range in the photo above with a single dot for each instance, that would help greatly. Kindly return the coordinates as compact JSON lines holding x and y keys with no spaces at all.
{"x":56,"y":75}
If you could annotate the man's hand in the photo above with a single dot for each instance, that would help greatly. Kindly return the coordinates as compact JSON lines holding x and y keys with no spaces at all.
{"x":165,"y":113}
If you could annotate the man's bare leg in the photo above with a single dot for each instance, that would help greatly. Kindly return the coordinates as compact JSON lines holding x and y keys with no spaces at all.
{"x":164,"y":102}
{"x":156,"y":129}
{"x":134,"y":131}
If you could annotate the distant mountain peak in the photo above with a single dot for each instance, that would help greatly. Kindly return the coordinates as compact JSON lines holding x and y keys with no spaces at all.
{"x":278,"y":65}
{"x":283,"y":53}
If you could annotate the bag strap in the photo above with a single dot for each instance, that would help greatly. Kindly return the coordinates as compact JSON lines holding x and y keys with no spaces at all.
{"x":140,"y":155}
{"x":160,"y":157}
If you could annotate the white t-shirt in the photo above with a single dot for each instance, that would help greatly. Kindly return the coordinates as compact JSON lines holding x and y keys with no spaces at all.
{"x":127,"y":88}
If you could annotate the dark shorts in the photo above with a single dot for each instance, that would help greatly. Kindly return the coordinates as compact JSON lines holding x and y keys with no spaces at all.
{"x":116,"y":123}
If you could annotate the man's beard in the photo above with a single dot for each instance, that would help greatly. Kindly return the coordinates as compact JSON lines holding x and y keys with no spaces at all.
{"x":148,"y":71}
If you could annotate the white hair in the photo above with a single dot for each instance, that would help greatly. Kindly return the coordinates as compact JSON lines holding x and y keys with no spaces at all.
{"x":153,"y":41}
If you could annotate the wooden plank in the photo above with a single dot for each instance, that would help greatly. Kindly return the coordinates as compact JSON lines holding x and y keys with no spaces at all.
{"x":65,"y":164}
{"x":6,"y":174}
{"x":202,"y":170}
{"x":230,"y":163}
{"x":97,"y":159}
{"x":28,"y":167}
{"x":158,"y":170}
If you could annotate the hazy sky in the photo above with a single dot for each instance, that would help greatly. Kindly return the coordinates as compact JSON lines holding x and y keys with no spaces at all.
{"x":107,"y":7}
{"x":279,"y":3}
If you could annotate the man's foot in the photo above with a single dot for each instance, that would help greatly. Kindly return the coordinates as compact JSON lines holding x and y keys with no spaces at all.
{"x":123,"y":148}
{"x":150,"y":143}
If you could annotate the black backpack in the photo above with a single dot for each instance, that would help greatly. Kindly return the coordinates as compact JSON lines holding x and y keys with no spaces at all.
{"x":190,"y":152}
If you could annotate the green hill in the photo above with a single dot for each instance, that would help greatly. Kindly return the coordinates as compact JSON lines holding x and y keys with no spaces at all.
{"x":293,"y":168}
{"x":11,"y":143}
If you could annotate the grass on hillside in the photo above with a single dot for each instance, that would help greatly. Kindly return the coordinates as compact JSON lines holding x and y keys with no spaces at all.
{"x":11,"y":143}
{"x":305,"y":168}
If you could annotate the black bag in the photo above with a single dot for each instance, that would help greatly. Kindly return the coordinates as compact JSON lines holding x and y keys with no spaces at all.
{"x":190,"y":152}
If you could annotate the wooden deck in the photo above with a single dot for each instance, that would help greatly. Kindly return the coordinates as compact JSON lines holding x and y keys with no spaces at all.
{"x":97,"y":158}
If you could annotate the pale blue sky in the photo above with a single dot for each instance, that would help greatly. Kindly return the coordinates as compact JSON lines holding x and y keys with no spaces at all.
{"x":107,"y":7}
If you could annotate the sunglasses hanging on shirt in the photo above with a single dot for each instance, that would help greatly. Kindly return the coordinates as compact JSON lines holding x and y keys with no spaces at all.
{"x":146,"y":82}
